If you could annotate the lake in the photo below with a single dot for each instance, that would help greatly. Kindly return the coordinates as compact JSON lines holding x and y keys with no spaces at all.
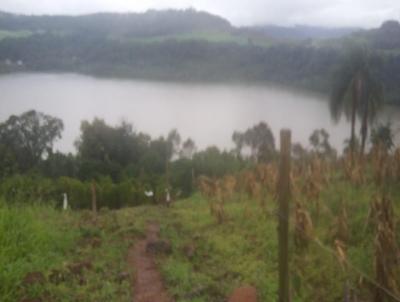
{"x":207,"y":113}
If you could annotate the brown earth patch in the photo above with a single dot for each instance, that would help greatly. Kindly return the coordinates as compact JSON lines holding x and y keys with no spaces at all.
{"x":244,"y":294}
{"x":148,"y":285}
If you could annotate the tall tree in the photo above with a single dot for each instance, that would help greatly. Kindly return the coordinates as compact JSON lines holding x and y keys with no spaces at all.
{"x":238,"y":139}
{"x":355,"y":90}
{"x":188,"y":149}
{"x":105,"y":149}
{"x":261,"y":141}
{"x":319,"y":141}
{"x":383,"y":136}
{"x":372,"y":103}
{"x":29,"y":137}
{"x":173,"y":143}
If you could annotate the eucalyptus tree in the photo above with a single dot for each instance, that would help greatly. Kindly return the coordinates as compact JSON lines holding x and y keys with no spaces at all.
{"x":319,"y":140}
{"x":259,"y":139}
{"x":173,"y":143}
{"x":188,"y":149}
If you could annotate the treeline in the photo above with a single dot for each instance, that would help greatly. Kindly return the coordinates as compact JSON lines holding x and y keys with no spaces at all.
{"x":174,"y":60}
{"x":128,"y":25}
{"x":123,"y":164}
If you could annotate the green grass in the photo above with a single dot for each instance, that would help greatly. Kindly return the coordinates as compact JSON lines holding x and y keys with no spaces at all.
{"x":243,"y":250}
{"x":31,"y":239}
{"x":14,"y":34}
{"x":213,"y":37}
{"x":208,"y":259}
{"x":40,"y":239}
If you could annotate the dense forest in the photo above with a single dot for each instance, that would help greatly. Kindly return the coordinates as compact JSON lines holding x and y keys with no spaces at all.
{"x":190,"y":45}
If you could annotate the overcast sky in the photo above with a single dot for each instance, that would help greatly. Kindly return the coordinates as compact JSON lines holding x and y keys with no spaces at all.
{"x":366,"y":13}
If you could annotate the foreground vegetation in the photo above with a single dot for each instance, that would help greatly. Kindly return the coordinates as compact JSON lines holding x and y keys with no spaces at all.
{"x":337,"y":252}
{"x":48,"y":255}
{"x":343,"y":225}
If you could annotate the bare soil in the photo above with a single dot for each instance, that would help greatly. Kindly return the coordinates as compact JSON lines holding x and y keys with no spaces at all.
{"x":148,"y":285}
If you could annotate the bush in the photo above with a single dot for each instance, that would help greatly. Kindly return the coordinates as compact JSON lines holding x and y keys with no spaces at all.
{"x":36,"y":189}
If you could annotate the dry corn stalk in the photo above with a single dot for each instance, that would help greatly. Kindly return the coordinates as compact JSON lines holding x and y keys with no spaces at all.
{"x":304,"y":230}
{"x":353,"y":170}
{"x":228,"y":187}
{"x":213,"y":191}
{"x":386,"y":251}
{"x":396,"y":166}
{"x":341,"y":228}
{"x":381,"y":164}
{"x":340,"y":248}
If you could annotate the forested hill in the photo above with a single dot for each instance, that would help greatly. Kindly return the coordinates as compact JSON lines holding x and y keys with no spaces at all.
{"x":189,"y":45}
{"x":303,"y":32}
{"x":151,"y":23}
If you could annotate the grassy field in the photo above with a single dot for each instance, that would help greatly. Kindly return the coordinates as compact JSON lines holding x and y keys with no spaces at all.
{"x":211,"y":259}
{"x":213,"y":37}
{"x":65,"y":256}
{"x":14,"y":34}
{"x":50,"y":255}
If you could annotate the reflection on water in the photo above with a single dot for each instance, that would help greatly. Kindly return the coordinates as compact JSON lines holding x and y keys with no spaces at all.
{"x":207,"y":113}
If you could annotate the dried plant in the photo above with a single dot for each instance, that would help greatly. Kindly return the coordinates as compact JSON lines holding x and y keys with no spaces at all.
{"x":340,"y":248}
{"x":396,"y":166}
{"x":354,"y":170}
{"x":381,"y":164}
{"x":341,"y":228}
{"x":386,"y":251}
{"x":304,"y":230}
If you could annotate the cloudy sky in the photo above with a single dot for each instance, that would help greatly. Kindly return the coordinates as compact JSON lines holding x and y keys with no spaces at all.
{"x":366,"y":13}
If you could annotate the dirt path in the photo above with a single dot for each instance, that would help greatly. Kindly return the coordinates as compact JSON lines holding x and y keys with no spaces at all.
{"x":147,"y":284}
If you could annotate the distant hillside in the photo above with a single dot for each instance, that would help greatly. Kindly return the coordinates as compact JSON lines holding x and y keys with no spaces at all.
{"x":150,"y":23}
{"x":386,"y":37}
{"x":302,"y":32}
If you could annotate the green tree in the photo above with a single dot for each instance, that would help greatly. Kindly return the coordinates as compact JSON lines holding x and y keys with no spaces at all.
{"x":188,"y":149}
{"x":319,"y":141}
{"x":259,"y":139}
{"x":214,"y":163}
{"x":173,"y":142}
{"x":107,"y":150}
{"x":372,"y":103}
{"x":382,"y":135}
{"x":29,"y":137}
{"x":238,"y":139}
{"x":356,"y":90}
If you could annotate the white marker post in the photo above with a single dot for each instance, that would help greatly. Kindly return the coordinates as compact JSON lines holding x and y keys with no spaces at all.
{"x":65,"y":201}
{"x":167,"y":197}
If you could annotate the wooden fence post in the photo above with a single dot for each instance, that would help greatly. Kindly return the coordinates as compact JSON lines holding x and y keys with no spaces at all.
{"x":283,"y":228}
{"x":94,"y":200}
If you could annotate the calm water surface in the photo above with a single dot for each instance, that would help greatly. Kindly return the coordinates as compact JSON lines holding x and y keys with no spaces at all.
{"x":207,"y":113}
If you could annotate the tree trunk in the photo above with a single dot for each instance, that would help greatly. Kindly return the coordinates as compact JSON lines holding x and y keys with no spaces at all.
{"x":167,"y":176}
{"x":357,"y":86}
{"x":353,"y":126}
{"x":94,"y":200}
{"x":193,"y":180}
{"x":364,"y":129}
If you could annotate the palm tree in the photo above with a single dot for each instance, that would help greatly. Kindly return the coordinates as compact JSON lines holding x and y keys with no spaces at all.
{"x":356,"y":90}
{"x":372,"y":102}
